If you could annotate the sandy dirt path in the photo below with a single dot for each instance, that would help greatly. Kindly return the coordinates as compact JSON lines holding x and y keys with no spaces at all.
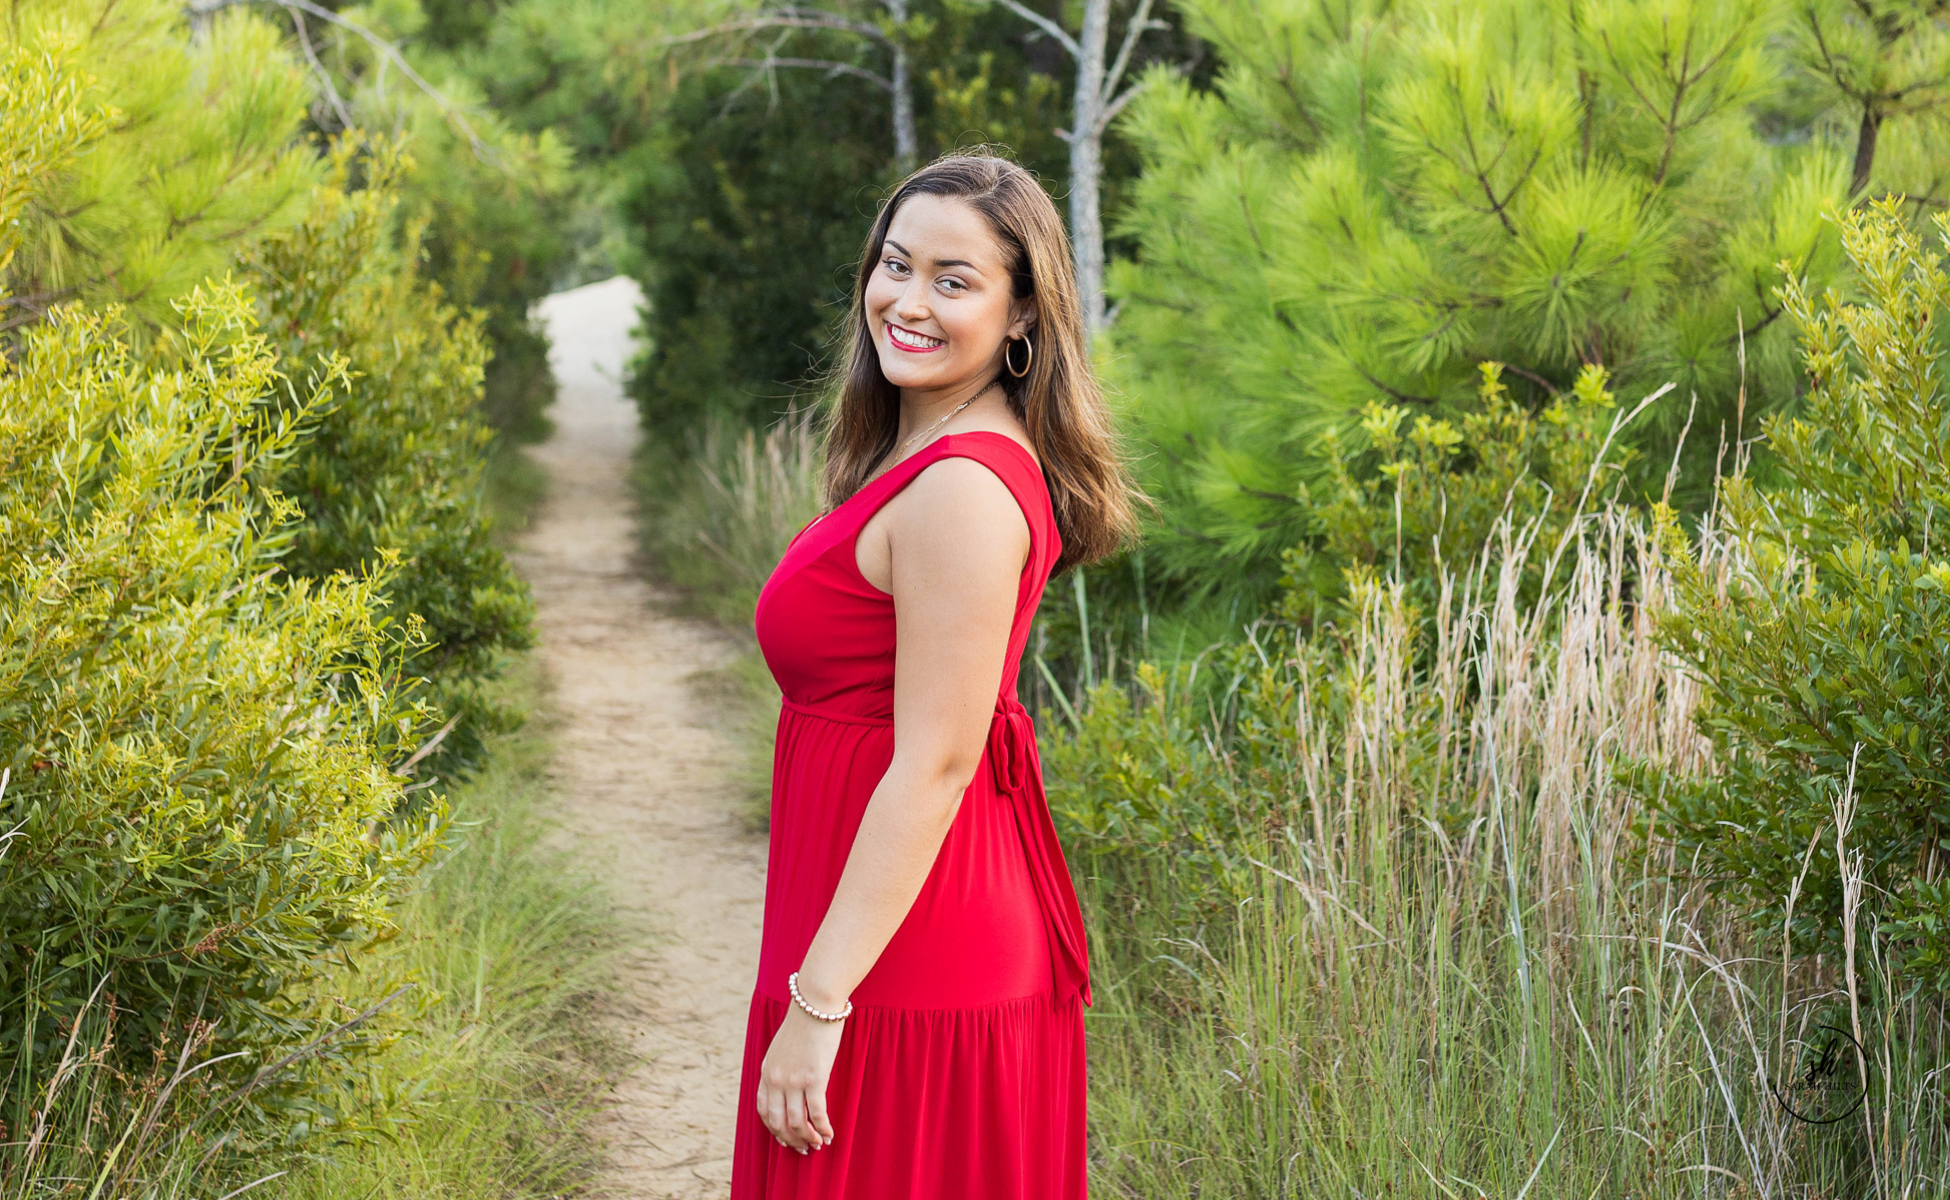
{"x":642,"y":775}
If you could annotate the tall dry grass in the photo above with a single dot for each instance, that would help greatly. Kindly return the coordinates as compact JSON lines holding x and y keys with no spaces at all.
{"x":725,"y":507}
{"x":722,"y":511}
{"x":1466,"y":966}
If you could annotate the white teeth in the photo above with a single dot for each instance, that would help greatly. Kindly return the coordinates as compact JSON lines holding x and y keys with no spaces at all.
{"x":919,"y":341}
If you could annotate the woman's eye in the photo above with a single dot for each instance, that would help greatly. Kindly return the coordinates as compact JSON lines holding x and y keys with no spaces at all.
{"x":953,"y":285}
{"x":896,"y":266}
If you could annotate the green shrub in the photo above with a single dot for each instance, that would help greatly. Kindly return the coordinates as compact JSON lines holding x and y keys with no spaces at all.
{"x":493,"y":235}
{"x":1430,"y":493}
{"x":493,"y":1084}
{"x":394,"y":464}
{"x":1452,"y":970}
{"x":1821,"y":622}
{"x":198,"y":807}
{"x":194,"y":748}
{"x":1167,"y":770}
{"x":749,"y":213}
{"x":1180,"y":761}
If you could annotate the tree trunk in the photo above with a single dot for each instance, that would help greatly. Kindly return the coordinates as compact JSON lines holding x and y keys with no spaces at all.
{"x":906,"y":144}
{"x":1865,"y":146}
{"x":1086,"y":164}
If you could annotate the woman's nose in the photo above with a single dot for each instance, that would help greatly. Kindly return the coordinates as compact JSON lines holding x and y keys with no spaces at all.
{"x":913,"y":303}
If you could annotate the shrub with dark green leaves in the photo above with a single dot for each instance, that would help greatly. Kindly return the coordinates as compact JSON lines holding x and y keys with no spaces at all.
{"x":1821,"y":626}
{"x":394,"y":464}
{"x":198,"y":746}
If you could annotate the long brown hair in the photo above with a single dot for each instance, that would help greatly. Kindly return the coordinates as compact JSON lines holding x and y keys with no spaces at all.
{"x":1058,"y":400}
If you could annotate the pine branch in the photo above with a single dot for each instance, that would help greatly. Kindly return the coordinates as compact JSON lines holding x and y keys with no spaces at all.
{"x":1762,"y":290}
{"x":1830,"y":68}
{"x":1682,"y":85}
{"x":783,"y":18}
{"x":1399,"y":397}
{"x":1042,"y":22}
{"x":819,"y":64}
{"x":1522,"y":372}
{"x":1483,"y":176}
{"x":1477,"y":169}
{"x":385,"y":49}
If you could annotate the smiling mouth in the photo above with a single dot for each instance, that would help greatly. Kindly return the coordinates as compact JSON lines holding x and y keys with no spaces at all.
{"x":912,"y":342}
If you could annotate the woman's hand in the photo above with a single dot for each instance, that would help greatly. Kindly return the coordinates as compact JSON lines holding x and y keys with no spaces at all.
{"x":792,"y":1080}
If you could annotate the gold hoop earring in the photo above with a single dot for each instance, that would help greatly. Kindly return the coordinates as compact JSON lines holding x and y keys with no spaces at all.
{"x":1029,"y":356}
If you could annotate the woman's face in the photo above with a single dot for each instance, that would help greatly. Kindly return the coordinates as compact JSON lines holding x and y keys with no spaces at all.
{"x":938,"y":301}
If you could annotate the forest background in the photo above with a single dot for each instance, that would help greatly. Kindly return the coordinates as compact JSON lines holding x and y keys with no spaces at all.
{"x":1495,"y":773}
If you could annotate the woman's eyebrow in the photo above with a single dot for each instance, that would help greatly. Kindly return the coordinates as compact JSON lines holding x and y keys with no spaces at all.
{"x":939,"y":262}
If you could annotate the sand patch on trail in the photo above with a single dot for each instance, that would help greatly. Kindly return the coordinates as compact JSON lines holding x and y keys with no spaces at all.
{"x":642,"y":776}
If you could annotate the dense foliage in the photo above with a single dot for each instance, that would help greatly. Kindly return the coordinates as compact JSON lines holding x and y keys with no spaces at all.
{"x":1379,"y":197}
{"x":1820,"y":622}
{"x":200,"y":746}
{"x":392,"y":465}
{"x":493,"y":193}
{"x":238,"y":531}
{"x":1439,"y":489}
{"x":1407,"y":879}
{"x":493,"y":233}
{"x":750,"y":216}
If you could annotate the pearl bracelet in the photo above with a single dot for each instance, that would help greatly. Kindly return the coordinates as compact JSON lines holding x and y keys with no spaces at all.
{"x":792,"y":985}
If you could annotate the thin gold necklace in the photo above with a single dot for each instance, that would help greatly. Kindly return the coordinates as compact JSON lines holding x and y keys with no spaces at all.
{"x":901,"y":453}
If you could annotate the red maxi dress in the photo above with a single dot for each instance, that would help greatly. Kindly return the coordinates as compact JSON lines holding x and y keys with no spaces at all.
{"x":960,"y":1074}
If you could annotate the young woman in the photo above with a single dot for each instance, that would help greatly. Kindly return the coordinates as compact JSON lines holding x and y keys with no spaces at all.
{"x":917,"y":1027}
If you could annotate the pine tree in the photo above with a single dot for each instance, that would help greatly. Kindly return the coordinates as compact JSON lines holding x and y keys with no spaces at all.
{"x":202,"y":155}
{"x":1868,"y":61}
{"x":1379,"y":197}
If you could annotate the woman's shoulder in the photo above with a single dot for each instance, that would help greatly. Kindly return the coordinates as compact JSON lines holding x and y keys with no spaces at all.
{"x":992,"y":439}
{"x":984,"y":476}
{"x":970,"y":473}
{"x":999,"y":451}
{"x":963,"y":506}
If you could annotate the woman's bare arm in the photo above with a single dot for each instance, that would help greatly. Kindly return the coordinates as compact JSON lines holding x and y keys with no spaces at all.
{"x":956,"y":545}
{"x":953,"y":551}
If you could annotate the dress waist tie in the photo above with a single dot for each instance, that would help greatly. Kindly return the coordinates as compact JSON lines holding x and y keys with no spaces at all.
{"x":1018,"y":775}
